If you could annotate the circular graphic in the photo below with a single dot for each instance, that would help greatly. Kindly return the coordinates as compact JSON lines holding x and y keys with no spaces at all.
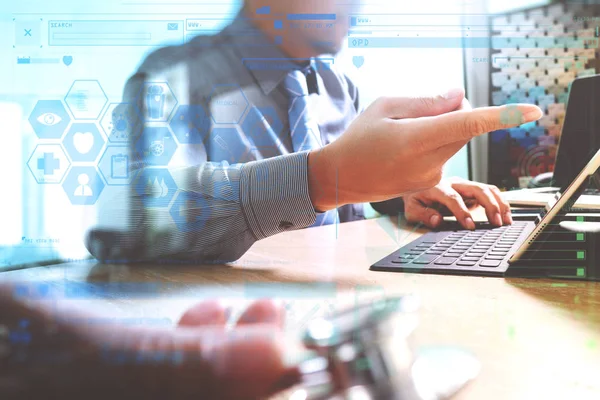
{"x":537,"y":160}
{"x":157,"y":148}
{"x":119,"y":122}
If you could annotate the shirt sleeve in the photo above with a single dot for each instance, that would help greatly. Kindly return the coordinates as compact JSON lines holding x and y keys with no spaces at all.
{"x":217,"y":212}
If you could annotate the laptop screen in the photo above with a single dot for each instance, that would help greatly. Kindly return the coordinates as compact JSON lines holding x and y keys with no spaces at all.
{"x":580,"y":138}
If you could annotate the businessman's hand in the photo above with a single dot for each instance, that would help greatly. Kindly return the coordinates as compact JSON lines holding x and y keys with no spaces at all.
{"x":399,"y":145}
{"x":457,"y":196}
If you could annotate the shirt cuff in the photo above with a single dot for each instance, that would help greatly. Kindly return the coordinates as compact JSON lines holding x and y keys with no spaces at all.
{"x":274,"y":195}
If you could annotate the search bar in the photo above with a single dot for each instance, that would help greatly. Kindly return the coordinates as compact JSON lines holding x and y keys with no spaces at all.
{"x":102,"y":36}
{"x":114,"y":33}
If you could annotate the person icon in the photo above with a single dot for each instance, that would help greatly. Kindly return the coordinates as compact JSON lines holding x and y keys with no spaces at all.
{"x":84,"y":189}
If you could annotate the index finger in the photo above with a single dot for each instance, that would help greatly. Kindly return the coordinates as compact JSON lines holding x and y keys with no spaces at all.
{"x":463,"y":125}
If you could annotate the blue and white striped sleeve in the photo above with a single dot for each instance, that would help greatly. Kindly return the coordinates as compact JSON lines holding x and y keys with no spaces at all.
{"x":216,"y":213}
{"x":219,"y":212}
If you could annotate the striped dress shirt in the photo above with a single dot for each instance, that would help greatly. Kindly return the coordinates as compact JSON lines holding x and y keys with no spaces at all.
{"x":233,"y":177}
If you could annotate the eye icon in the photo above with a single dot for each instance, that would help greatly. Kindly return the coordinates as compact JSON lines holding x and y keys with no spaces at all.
{"x":49,"y":119}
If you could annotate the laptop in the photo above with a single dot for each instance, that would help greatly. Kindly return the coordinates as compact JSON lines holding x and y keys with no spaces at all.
{"x":491,"y":251}
{"x":579,"y":140}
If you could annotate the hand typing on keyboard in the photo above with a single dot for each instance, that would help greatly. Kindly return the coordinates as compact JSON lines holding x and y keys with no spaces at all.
{"x":458,"y":196}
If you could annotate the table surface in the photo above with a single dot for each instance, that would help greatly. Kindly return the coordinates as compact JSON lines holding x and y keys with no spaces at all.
{"x":535,"y":338}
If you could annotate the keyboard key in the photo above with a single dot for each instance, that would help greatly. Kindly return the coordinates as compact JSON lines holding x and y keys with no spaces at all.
{"x":402,"y":261}
{"x":490,"y":263}
{"x":494,"y":257}
{"x":475,"y":254}
{"x":465,"y":263}
{"x":466,"y":258}
{"x":445,"y":261}
{"x":458,"y":251}
{"x":406,"y":255}
{"x":434,"y":252}
{"x":425,"y":259}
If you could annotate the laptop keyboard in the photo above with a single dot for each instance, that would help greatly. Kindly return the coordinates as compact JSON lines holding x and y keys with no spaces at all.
{"x":592,"y":191}
{"x":485,"y":248}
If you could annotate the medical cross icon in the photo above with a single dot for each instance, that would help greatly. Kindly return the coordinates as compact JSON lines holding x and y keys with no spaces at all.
{"x":27,"y":32}
{"x":189,"y":211}
{"x":48,"y":163}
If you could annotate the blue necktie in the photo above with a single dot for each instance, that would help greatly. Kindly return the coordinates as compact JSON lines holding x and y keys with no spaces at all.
{"x":303,"y":129}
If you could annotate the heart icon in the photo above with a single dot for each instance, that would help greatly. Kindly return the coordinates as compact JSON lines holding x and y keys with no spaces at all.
{"x":68,"y":60}
{"x":358,"y":61}
{"x":83,"y":141}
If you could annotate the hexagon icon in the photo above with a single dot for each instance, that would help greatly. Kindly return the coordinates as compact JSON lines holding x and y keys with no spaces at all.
{"x":262,"y":126}
{"x":227,"y":104}
{"x":83,"y":185}
{"x":116,"y":166}
{"x":158,"y":101}
{"x":227,"y":144}
{"x":86,"y":99}
{"x":120,"y":122}
{"x":223,"y":187}
{"x":190,"y":211}
{"x":83,"y":142}
{"x":48,"y":163}
{"x":49,"y":119}
{"x":156,"y":146}
{"x":190,"y":124}
{"x":156,"y":187}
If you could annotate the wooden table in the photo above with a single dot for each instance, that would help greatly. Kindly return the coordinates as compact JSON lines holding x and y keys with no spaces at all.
{"x":536,"y":339}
